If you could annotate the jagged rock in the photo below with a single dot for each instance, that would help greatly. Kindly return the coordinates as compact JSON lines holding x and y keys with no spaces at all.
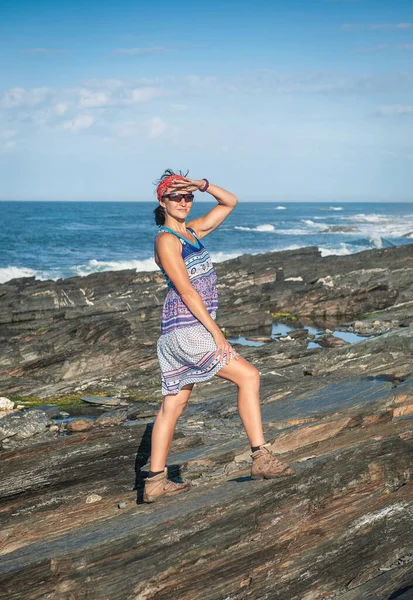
{"x":330,"y":341}
{"x":24,"y":425}
{"x":6,"y":404}
{"x":114,"y":417}
{"x":92,"y":498}
{"x":401,"y":411}
{"x":82,"y":424}
{"x":298,"y":334}
{"x":52,"y":411}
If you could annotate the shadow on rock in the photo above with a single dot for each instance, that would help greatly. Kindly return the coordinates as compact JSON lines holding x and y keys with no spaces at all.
{"x":142,"y":458}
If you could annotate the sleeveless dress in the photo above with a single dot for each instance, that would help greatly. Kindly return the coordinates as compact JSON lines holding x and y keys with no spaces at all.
{"x":185,"y":347}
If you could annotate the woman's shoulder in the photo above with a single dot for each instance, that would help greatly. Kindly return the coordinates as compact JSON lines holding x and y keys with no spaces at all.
{"x":166,"y":237}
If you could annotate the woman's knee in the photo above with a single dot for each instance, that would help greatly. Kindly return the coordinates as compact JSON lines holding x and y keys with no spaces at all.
{"x":252,"y":375}
{"x":241,"y":372}
{"x":174,"y":407}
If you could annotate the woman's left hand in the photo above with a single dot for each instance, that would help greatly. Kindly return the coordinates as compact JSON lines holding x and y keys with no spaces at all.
{"x":189,"y":185}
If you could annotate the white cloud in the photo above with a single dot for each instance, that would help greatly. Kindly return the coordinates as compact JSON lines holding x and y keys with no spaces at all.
{"x":396,"y":109}
{"x":324,"y":82}
{"x":7,"y":142}
{"x":20,"y":97}
{"x":7,"y":134}
{"x":89,"y":99}
{"x":127,"y":129}
{"x":60,"y":108}
{"x":157,"y":127}
{"x":119,"y":108}
{"x":145,"y":94}
{"x":80,"y":122}
{"x":142,"y":51}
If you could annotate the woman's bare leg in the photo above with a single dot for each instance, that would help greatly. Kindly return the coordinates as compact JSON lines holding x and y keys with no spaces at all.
{"x":164,"y":427}
{"x":247,"y":378}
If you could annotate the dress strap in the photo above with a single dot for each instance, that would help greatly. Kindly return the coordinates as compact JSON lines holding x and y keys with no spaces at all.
{"x":193,"y":233}
{"x":197,"y":245}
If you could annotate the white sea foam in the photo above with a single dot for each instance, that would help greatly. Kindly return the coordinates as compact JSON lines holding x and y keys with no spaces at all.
{"x":280,"y":208}
{"x":294,"y":231}
{"x":314,"y":228}
{"x":374,"y":218}
{"x":94,"y":266}
{"x":376,"y":239}
{"x":342,"y":250}
{"x":388,"y":229}
{"x":335,"y":208}
{"x":7,"y":273}
{"x":264,"y":227}
{"x":345,"y":248}
{"x":217,"y":257}
{"x":311,"y":223}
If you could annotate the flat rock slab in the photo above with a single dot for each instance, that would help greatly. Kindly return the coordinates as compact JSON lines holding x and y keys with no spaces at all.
{"x":258,"y":538}
{"x":332,"y":398}
{"x":104,"y":400}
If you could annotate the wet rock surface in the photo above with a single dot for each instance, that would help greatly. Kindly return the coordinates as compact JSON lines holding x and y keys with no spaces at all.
{"x":72,"y":521}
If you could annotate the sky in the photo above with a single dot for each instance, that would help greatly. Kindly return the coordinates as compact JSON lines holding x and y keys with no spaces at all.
{"x":276,"y":100}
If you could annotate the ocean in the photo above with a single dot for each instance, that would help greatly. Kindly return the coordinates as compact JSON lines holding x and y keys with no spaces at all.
{"x":52,"y":240}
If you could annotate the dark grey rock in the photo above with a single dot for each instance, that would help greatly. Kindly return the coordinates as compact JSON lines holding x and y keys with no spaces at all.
{"x":24,"y":425}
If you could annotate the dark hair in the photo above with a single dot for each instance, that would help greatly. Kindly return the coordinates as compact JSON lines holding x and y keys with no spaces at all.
{"x":159,"y":211}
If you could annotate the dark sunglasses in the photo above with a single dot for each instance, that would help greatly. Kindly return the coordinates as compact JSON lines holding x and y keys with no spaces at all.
{"x":178,"y":197}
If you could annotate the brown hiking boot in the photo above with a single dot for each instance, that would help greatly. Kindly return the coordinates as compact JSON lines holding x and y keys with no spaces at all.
{"x":265,"y":465}
{"x":159,"y":486}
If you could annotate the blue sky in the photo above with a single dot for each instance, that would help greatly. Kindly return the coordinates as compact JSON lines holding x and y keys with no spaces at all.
{"x":274,"y":100}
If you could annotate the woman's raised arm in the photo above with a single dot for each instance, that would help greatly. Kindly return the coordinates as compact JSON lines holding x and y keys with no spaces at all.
{"x":226,"y":204}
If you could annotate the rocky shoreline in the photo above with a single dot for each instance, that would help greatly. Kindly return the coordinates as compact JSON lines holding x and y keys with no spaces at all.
{"x":73,"y":525}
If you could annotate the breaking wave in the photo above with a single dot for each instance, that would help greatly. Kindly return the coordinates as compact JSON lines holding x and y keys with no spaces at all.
{"x":265,"y":227}
{"x":7,"y":273}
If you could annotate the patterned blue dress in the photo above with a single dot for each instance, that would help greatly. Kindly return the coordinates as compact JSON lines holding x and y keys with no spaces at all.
{"x":185,"y":347}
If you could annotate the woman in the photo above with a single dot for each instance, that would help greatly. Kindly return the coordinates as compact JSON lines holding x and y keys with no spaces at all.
{"x":191,"y":347}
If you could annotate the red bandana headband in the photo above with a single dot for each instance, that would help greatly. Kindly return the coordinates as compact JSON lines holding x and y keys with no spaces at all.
{"x":163,"y":186}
